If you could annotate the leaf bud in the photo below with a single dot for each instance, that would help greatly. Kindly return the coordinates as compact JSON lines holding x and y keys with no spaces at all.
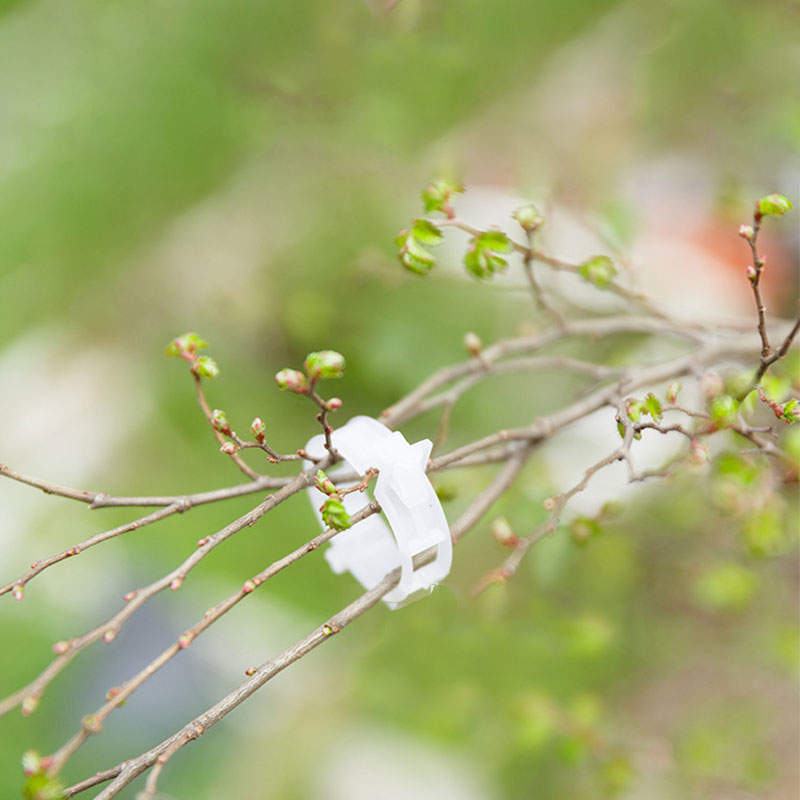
{"x":775,"y":205}
{"x":258,"y":429}
{"x":751,"y":273}
{"x":672,"y":391}
{"x":334,"y":404}
{"x":473,"y":343}
{"x":324,"y":364}
{"x":205,"y":367}
{"x":528,"y":217}
{"x":219,"y":421}
{"x":503,"y":532}
{"x":292,"y":380}
{"x":746,"y":232}
{"x":229,"y":448}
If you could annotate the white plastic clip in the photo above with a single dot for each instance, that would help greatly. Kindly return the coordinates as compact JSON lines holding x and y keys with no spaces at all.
{"x":371,"y":549}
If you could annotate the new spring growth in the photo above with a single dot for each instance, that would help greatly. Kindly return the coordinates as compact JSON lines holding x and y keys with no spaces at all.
{"x":751,"y":273}
{"x":229,"y":448}
{"x":412,"y":244}
{"x":482,"y":258}
{"x":324,"y":483}
{"x":324,"y":364}
{"x":334,"y":514}
{"x":334,"y":404}
{"x":747,"y":232}
{"x":724,"y":410}
{"x":775,"y":205}
{"x":437,"y":196}
{"x":292,"y":380}
{"x":186,"y":346}
{"x":205,"y":367}
{"x":673,"y":390}
{"x":473,"y":343}
{"x":258,"y":430}
{"x":529,"y":218}
{"x":220,"y":422}
{"x":599,"y":271}
{"x":503,"y":532}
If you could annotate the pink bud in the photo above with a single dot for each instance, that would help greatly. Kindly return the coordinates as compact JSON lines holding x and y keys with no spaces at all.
{"x":176,"y":584}
{"x":334,"y":404}
{"x":672,"y":391}
{"x":59,"y":648}
{"x":250,"y":671}
{"x":549,"y":503}
{"x":128,"y":597}
{"x":18,"y":591}
{"x":258,"y":429}
{"x":248,"y":586}
{"x":746,"y":232}
{"x":229,"y":448}
{"x":203,"y":541}
{"x":292,"y":380}
{"x":184,"y":640}
{"x":751,"y":273}
{"x":109,"y":636}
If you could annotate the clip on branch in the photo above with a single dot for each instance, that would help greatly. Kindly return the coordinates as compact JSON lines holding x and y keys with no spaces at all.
{"x":372,"y":549}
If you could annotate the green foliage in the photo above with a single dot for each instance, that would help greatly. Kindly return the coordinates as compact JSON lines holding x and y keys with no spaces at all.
{"x":599,"y":271}
{"x":413,"y":254}
{"x":775,"y":205}
{"x":653,"y":405}
{"x":482,"y":258}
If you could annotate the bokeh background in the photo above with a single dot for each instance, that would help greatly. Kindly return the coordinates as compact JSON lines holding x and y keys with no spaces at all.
{"x":240,"y":168}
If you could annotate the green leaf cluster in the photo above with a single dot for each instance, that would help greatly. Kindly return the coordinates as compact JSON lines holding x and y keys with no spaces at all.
{"x":413,"y":244}
{"x":482,"y":258}
{"x":436,"y":196}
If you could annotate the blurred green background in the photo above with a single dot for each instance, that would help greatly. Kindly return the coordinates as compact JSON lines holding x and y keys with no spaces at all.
{"x":240,"y":168}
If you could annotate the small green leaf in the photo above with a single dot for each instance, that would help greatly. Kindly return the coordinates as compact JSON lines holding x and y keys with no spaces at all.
{"x":599,"y":271}
{"x":775,"y":205}
{"x":653,"y":405}
{"x":426,"y":232}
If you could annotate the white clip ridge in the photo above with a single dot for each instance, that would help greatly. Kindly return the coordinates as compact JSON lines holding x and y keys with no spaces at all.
{"x":371,"y":548}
